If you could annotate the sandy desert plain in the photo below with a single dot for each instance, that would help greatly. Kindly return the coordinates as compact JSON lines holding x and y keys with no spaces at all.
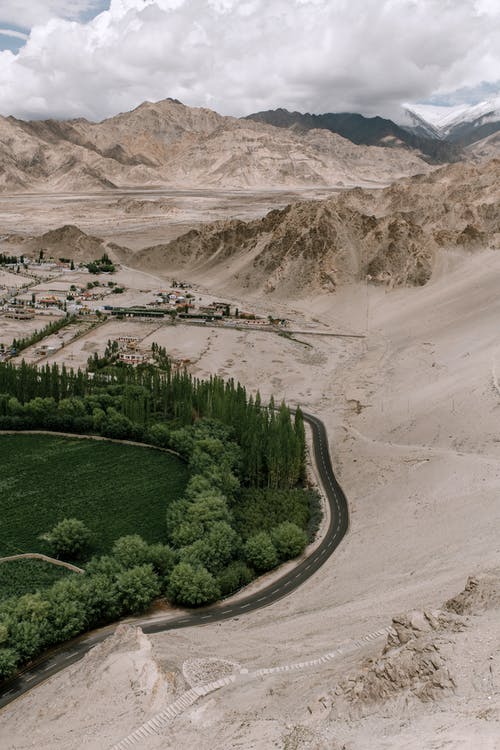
{"x":412,"y":413}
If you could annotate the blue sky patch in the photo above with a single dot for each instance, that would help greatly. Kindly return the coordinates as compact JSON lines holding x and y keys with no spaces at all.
{"x":12,"y":37}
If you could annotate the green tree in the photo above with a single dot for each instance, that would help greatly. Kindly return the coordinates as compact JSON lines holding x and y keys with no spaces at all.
{"x":290,"y":541}
{"x":69,"y":538}
{"x":8,"y":662}
{"x":100,"y":596}
{"x":260,"y":552}
{"x":106,"y":565}
{"x":136,"y":588}
{"x":28,"y":623}
{"x":131,"y":551}
{"x":67,"y":610}
{"x":222,"y":542}
{"x":162,"y":558}
{"x":234,"y":576}
{"x":192,"y":586}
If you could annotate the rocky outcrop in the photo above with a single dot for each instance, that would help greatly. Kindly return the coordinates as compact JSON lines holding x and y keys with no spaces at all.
{"x":68,"y":242}
{"x":414,"y":663}
{"x":481,"y":593}
{"x":419,"y":661}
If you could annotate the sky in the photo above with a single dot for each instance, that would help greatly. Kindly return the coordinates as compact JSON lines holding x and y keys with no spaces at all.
{"x":94,"y":58}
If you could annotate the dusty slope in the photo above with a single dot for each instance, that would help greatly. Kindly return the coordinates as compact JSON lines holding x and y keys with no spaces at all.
{"x":419,"y":459}
{"x":392,"y":235}
{"x":167,"y":143}
{"x":68,"y":242}
{"x":487,"y":148}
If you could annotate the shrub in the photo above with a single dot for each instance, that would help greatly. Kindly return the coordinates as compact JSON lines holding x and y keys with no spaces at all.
{"x":131,"y":550}
{"x":136,"y":588}
{"x":69,"y":538}
{"x":289,"y":540}
{"x":8,"y":662}
{"x":192,"y":586}
{"x":234,"y":576}
{"x":260,"y":552}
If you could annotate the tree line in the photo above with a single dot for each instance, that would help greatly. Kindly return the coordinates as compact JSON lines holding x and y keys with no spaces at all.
{"x":53,"y":327}
{"x":149,"y":404}
{"x":6,"y":260}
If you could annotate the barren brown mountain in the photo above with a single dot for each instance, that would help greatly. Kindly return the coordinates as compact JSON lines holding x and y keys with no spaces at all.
{"x":167,"y":143}
{"x":391,"y":236}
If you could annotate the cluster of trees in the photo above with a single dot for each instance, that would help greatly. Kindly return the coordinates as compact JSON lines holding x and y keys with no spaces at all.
{"x":152,"y":404}
{"x":122,"y":583}
{"x":239,"y":515}
{"x":38,"y":335}
{"x":103,"y":264}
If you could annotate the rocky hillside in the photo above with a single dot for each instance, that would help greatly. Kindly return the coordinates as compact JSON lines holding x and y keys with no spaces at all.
{"x":67,"y":242}
{"x":169,"y":144}
{"x":485,"y":149}
{"x":387,"y":236}
{"x":369,"y":131}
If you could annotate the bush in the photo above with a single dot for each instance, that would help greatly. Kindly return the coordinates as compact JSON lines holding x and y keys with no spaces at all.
{"x":289,"y":540}
{"x":69,"y":538}
{"x":136,"y":588}
{"x":162,"y":558}
{"x":131,"y":550}
{"x":8,"y":662}
{"x":260,"y":552}
{"x":192,"y":586}
{"x":234,"y":577}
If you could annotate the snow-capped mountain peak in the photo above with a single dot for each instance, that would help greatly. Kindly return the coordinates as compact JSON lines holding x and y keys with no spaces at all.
{"x":464,"y":122}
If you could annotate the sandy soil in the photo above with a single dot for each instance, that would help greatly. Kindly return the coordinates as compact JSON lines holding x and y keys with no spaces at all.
{"x":412,"y":413}
{"x":11,"y":280}
{"x":11,"y":329}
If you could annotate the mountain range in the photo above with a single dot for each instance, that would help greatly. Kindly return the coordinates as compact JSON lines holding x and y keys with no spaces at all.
{"x":393,"y":236}
{"x":169,"y":144}
{"x":440,"y":134}
{"x":368,"y":131}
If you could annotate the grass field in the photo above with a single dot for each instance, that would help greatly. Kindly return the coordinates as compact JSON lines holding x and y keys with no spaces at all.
{"x":115,"y":489}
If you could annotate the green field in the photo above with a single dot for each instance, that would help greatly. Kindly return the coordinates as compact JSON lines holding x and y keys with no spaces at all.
{"x":115,"y":489}
{"x":25,"y":576}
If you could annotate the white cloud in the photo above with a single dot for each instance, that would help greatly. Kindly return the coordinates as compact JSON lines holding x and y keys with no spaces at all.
{"x":239,"y":56}
{"x":15,"y":34}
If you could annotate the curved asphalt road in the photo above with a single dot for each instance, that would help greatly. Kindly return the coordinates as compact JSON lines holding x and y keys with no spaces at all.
{"x":59,"y":658}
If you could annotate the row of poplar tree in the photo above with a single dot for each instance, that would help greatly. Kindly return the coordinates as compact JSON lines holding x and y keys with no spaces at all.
{"x":126,"y":402}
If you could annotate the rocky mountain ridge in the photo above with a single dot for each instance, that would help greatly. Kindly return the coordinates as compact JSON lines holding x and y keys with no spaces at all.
{"x":167,"y":143}
{"x":369,"y":131}
{"x":391,"y":236}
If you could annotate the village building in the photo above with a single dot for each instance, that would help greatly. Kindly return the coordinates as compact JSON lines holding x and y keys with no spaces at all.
{"x":49,"y":301}
{"x":132,"y":358}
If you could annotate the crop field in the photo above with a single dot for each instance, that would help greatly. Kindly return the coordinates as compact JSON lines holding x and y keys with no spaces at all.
{"x":20,"y":577}
{"x":114,"y":489}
